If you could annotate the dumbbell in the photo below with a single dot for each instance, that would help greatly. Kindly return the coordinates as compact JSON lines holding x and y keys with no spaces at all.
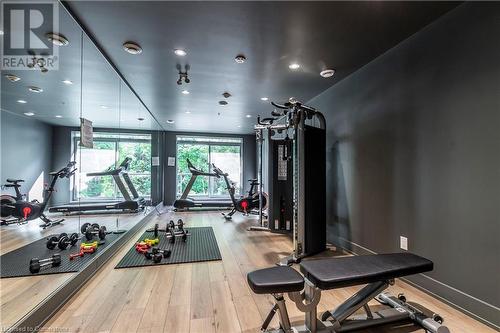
{"x":91,"y":230}
{"x":180,"y":225}
{"x":84,"y":248}
{"x":65,"y":241}
{"x":171,"y":235}
{"x":151,"y":242}
{"x":165,"y":253}
{"x":36,"y":264}
{"x":172,"y":225}
{"x":156,"y":230}
{"x":142,"y":247}
{"x":157,"y":254}
{"x":54,"y":240}
{"x":75,"y":255}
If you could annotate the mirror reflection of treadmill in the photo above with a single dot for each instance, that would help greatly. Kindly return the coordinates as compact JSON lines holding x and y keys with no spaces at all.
{"x":185,"y":202}
{"x":132,"y":202}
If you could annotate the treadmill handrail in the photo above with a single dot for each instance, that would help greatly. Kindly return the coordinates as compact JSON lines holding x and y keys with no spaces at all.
{"x":197,"y":172}
{"x":122,"y":167}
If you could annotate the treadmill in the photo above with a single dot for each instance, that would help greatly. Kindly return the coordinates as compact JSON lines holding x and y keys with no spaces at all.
{"x":185,"y":202}
{"x":132,"y":202}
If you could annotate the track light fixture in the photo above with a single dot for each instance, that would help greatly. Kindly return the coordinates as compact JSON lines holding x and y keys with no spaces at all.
{"x":38,"y":63}
{"x":183,"y":75}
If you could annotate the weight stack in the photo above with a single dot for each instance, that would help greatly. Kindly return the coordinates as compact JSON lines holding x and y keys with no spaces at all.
{"x":315,"y":189}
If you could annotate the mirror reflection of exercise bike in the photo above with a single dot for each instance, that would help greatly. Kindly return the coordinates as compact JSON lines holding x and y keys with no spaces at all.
{"x":15,"y":209}
{"x":248,"y":204}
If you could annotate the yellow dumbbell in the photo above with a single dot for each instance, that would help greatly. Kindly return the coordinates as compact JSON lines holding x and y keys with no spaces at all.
{"x":151,"y":242}
{"x":93,"y":244}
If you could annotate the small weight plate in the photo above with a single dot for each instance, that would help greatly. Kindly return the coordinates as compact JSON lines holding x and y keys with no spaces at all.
{"x":84,"y":227}
{"x":52,"y":242}
{"x":63,"y":242}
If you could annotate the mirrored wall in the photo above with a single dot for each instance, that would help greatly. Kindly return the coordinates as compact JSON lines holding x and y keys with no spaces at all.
{"x":83,"y":151}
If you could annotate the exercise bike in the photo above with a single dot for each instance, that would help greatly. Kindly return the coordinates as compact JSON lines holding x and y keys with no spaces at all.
{"x":15,"y":209}
{"x":246,"y":204}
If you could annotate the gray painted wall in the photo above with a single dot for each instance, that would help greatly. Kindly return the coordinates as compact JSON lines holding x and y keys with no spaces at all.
{"x":414,"y":149}
{"x":26,"y":146}
{"x":170,"y":149}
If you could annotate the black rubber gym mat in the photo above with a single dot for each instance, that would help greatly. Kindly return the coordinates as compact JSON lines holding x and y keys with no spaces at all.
{"x":16,"y":263}
{"x":200,"y":246}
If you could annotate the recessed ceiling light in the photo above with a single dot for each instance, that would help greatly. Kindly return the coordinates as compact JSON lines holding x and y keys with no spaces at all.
{"x":35,"y":89}
{"x":58,"y":116}
{"x":240,"y":58}
{"x":223,"y":103}
{"x":188,"y":112}
{"x":264,"y":98}
{"x":249,"y":116}
{"x":170,"y":121}
{"x":180,"y":52}
{"x":12,"y":77}
{"x":104,"y":107}
{"x":22,"y":101}
{"x":132,"y":48}
{"x":238,"y":126}
{"x":185,"y":92}
{"x":327,"y":73}
{"x":294,"y":66}
{"x":57,"y":39}
{"x":29,"y":114}
{"x":140,"y":119}
{"x":67,"y":82}
{"x":226,"y":94}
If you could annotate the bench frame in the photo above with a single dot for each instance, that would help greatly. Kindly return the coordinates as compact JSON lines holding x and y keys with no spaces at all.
{"x":342,"y":319}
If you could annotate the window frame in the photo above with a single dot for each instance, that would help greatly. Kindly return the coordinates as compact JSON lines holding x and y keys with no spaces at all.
{"x":116,"y":138}
{"x":209,"y":141}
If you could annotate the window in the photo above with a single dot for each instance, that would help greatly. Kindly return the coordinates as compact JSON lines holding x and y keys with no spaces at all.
{"x":225,"y":153}
{"x":110,"y":149}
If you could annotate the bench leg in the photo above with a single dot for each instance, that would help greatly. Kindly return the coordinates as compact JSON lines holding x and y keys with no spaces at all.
{"x":269,"y":317}
{"x":355,"y":302}
{"x":284,"y":319}
{"x":279,"y":306}
{"x":311,"y":316}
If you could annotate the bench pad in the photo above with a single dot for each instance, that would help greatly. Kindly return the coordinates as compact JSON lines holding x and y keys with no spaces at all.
{"x":350,"y":271}
{"x":275,"y":280}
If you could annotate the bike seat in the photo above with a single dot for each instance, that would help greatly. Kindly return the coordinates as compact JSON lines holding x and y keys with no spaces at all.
{"x":11,"y":185}
{"x":254,"y":181}
{"x":14,"y":181}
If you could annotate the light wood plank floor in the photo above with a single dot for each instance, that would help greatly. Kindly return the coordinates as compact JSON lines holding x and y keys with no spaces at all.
{"x":208,"y":296}
{"x":19,"y":295}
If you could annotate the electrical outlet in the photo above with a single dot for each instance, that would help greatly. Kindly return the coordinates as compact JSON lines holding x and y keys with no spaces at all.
{"x":403,"y":243}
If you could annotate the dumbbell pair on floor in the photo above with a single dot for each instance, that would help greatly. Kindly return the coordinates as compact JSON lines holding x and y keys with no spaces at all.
{"x":172,"y":230}
{"x":85,"y":248}
{"x":157,"y":254}
{"x":91,"y":230}
{"x":62,"y":241}
{"x":37,"y":264}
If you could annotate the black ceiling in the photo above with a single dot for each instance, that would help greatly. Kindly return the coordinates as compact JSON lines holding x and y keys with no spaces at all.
{"x":104,"y":99}
{"x":318,"y":35}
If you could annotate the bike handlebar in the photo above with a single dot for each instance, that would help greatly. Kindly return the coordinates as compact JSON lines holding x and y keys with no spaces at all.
{"x":218,"y":171}
{"x":67,"y":171}
{"x":285,"y":106}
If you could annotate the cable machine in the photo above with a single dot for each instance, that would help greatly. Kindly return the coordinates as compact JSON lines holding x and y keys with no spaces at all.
{"x":292,"y":169}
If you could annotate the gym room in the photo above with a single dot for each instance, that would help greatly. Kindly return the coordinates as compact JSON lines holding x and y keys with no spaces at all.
{"x":250,"y":166}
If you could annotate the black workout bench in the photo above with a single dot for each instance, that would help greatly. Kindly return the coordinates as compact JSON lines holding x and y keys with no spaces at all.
{"x":376,"y":271}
